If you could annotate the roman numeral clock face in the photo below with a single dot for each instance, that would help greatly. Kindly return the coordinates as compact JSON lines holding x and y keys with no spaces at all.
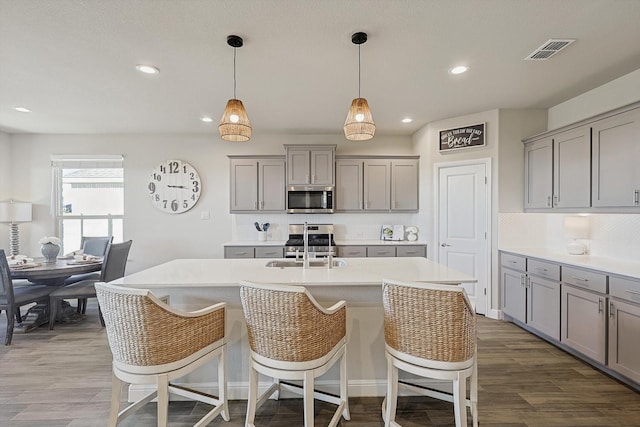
{"x":174,"y":186}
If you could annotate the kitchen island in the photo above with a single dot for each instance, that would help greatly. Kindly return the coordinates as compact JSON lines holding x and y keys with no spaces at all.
{"x":195,"y":283}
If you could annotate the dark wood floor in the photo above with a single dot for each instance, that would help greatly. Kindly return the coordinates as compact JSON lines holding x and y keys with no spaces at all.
{"x":62,"y":378}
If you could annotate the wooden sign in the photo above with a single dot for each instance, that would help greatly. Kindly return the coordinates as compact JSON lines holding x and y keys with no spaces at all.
{"x":464,"y":137}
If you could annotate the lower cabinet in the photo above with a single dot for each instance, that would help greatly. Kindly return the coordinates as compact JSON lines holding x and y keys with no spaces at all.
{"x":588,"y":312}
{"x":382,"y":251}
{"x":254,"y":252}
{"x":584,"y":322}
{"x":624,"y":327}
{"x":543,"y":306}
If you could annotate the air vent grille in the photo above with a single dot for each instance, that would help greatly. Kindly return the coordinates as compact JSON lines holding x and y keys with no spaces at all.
{"x":548,"y":49}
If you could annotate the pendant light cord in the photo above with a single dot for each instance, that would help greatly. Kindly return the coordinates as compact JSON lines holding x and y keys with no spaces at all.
{"x":358,"y":71}
{"x":234,"y":73}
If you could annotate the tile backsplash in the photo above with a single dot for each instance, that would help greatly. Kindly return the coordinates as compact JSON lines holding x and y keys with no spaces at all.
{"x":346,"y":226}
{"x":611,"y":235}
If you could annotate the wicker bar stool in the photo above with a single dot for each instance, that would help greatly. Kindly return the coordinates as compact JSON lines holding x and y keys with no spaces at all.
{"x":430,"y":331}
{"x":153,"y":343}
{"x":293,"y":338}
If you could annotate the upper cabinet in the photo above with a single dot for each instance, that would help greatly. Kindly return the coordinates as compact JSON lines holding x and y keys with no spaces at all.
{"x":349,"y":185}
{"x":257,"y":184}
{"x":590,"y":166}
{"x":538,"y":169}
{"x":377,"y":184}
{"x":616,"y":151}
{"x":310,"y":165}
{"x":572,"y":168}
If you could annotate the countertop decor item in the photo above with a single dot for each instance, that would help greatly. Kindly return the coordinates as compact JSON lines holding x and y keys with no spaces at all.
{"x":14,"y":213}
{"x":359,"y":125}
{"x":576,"y":227}
{"x":234,"y":125}
{"x":50,"y":248}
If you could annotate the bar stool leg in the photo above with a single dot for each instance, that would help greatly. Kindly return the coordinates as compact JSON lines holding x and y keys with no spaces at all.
{"x":308,"y":398}
{"x":252,"y":399}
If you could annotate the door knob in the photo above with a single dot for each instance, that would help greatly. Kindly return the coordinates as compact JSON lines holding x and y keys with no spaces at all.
{"x":444,"y":245}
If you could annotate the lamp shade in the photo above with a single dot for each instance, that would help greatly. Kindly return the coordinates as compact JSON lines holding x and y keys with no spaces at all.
{"x":359,"y":124}
{"x":14,"y":212}
{"x":234,"y":125}
{"x":576,"y":227}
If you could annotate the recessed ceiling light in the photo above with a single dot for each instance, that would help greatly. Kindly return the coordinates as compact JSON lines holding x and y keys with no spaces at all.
{"x":206,"y":119}
{"x":407,"y":120}
{"x":22,"y":109}
{"x":147,"y":69}
{"x":459,"y":69}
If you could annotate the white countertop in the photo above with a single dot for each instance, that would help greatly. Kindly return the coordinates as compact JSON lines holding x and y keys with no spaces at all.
{"x":370,"y":242}
{"x":604,"y":264}
{"x":229,"y":272}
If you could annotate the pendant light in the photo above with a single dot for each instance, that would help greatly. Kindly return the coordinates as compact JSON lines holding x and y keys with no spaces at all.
{"x":234,"y":124}
{"x":359,"y":125}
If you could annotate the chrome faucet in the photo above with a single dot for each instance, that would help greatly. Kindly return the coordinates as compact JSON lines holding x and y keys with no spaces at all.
{"x":305,"y":238}
{"x":330,"y":255}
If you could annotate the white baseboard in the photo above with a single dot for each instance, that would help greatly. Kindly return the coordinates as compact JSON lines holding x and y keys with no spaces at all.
{"x":494,"y":314}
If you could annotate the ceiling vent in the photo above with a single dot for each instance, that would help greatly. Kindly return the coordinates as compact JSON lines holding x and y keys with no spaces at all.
{"x":547,"y":50}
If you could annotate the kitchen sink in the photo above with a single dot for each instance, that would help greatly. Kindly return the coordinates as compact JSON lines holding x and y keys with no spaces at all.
{"x":314,"y":263}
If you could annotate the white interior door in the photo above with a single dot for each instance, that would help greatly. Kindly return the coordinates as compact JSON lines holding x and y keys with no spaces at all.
{"x":463,"y":225}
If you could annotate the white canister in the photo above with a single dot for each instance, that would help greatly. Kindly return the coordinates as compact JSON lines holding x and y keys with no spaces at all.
{"x":262,"y":236}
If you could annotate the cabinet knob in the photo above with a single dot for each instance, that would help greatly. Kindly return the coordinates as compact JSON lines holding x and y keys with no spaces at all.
{"x":444,"y":245}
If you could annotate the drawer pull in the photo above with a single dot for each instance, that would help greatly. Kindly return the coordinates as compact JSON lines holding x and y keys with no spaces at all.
{"x":581,"y":279}
{"x":513,"y":262}
{"x":600,"y":309}
{"x":631,"y":291}
{"x":542,"y":269}
{"x":411,"y":252}
{"x":241,"y":253}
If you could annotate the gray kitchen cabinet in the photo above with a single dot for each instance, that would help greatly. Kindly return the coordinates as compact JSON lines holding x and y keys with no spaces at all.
{"x":352,"y":251}
{"x":411,"y":251}
{"x":543,"y":297}
{"x":349,"y":185}
{"x":257,"y":184}
{"x":239,"y":252}
{"x":616,"y":150}
{"x":310,"y":165}
{"x":404,"y":185}
{"x":538,"y":169}
{"x":514,"y":293}
{"x":381,"y":251}
{"x":531,"y":293}
{"x":269,"y":251}
{"x":348,"y":251}
{"x":254,"y":251}
{"x":377,"y":185}
{"x":583,"y":312}
{"x":391,"y":184}
{"x":572,"y":169}
{"x":624,"y":324}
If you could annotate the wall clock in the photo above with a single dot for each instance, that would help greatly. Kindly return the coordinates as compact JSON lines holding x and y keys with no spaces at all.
{"x":174,"y":186}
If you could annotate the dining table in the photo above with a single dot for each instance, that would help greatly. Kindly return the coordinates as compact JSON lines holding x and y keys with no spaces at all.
{"x":39,"y":272}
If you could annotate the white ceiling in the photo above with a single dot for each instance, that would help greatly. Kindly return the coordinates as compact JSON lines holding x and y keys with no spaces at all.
{"x":73,"y":61}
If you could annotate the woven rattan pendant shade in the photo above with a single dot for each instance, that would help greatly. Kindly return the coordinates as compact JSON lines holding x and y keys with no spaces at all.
{"x":234,"y":125}
{"x":359,"y":125}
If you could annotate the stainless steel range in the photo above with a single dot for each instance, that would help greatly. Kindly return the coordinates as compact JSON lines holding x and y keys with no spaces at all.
{"x":320,"y":240}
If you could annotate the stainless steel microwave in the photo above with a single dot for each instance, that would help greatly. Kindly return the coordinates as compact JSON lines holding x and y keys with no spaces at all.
{"x":309,"y":199}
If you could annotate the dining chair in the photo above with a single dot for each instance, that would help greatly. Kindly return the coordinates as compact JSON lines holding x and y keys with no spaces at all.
{"x":430,"y":331}
{"x":113,"y":267}
{"x":96,"y":246}
{"x":11,"y":299}
{"x":292,"y":337}
{"x":155,"y":344}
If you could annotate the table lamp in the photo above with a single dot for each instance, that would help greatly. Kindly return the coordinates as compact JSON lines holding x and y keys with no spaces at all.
{"x":576,"y":227}
{"x":14,"y":213}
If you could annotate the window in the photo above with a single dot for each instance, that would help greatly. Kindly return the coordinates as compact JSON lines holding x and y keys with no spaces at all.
{"x":88,"y":198}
